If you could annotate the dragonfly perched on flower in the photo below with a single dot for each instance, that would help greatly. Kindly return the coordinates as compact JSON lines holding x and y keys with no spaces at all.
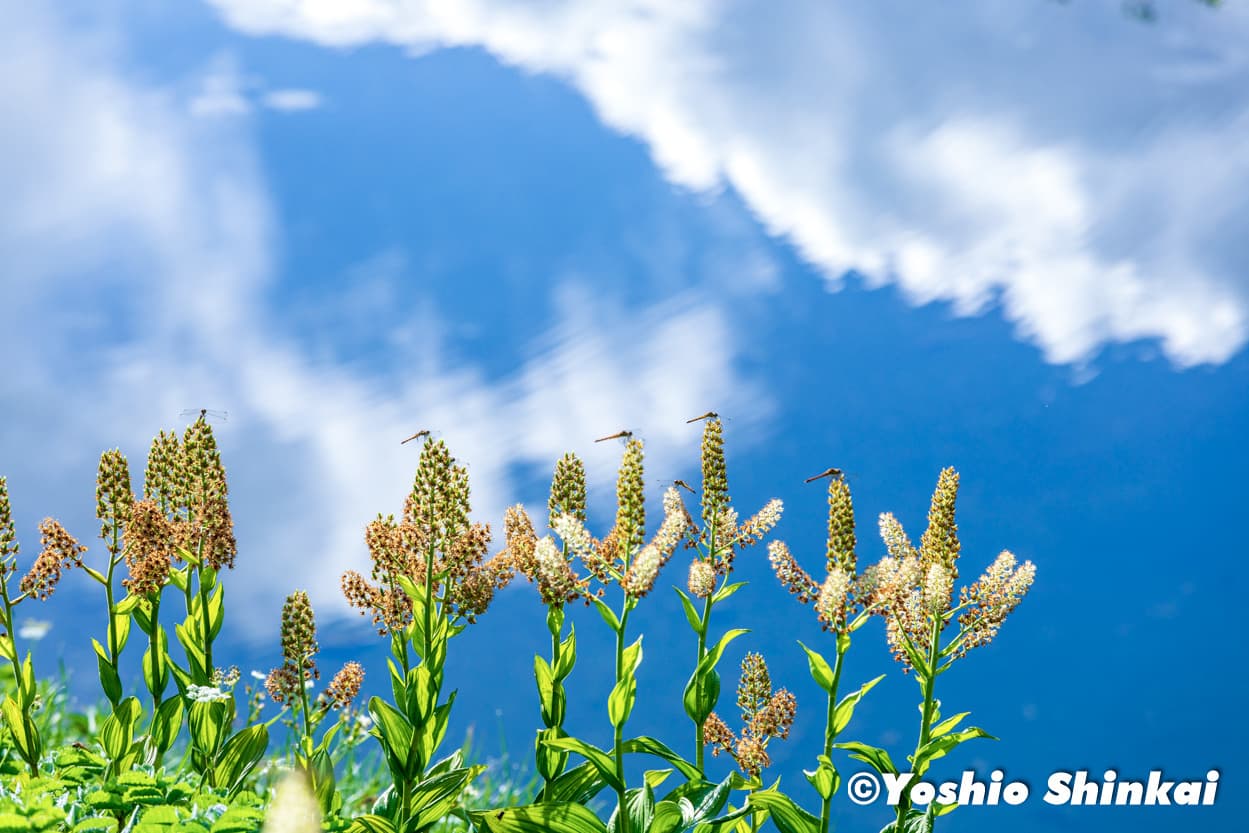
{"x":708,"y":415}
{"x":205,"y":414}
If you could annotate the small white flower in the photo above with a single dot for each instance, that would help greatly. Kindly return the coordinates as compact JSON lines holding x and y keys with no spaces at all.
{"x":206,"y":693}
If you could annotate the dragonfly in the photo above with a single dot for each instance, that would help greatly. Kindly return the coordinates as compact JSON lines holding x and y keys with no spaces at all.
{"x":205,"y":414}
{"x":708,"y":415}
{"x":680,"y":484}
{"x":830,"y":472}
{"x":622,"y":434}
{"x":424,"y":432}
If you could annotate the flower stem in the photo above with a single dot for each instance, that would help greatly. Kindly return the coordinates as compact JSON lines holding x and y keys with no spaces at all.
{"x":826,"y":804}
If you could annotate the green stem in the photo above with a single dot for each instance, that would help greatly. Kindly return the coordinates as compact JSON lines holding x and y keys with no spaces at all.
{"x":622,"y":816}
{"x":700,"y":731}
{"x":925,"y":726}
{"x":700,"y":737}
{"x":826,"y":804}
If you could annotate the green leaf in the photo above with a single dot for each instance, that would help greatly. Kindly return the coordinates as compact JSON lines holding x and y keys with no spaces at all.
{"x":691,"y":613}
{"x":701,"y":694}
{"x":239,"y":755}
{"x":726,"y":591}
{"x":845,"y":709}
{"x":207,"y":731}
{"x":435,"y":797}
{"x":216,"y":611}
{"x":877,"y":758}
{"x":651,"y":746}
{"x":938,"y":747}
{"x":550,"y":693}
{"x":824,"y":778}
{"x":601,"y":760}
{"x":121,"y":629}
{"x":395,"y":733}
{"x":24,"y":732}
{"x":947,"y":725}
{"x":117,"y":730}
{"x":539,"y":818}
{"x":668,"y":818}
{"x":821,"y":671}
{"x":372,"y":823}
{"x":578,"y":785}
{"x":550,"y":761}
{"x":109,"y":679}
{"x":785,"y":814}
{"x":567,"y":656}
{"x":640,"y":805}
{"x":608,"y":614}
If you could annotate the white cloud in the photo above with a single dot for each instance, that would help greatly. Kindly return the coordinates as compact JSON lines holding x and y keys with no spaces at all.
{"x":994,"y":152}
{"x":139,"y":247}
{"x":292,"y":100}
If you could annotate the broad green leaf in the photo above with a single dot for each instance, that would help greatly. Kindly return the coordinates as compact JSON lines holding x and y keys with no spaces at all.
{"x":651,"y":746}
{"x":578,"y":785}
{"x":109,"y":679}
{"x":785,"y":814}
{"x":567,"y":656}
{"x":372,"y":823}
{"x":239,"y":755}
{"x":435,"y":797}
{"x":601,"y":760}
{"x":539,"y":818}
{"x":824,"y":778}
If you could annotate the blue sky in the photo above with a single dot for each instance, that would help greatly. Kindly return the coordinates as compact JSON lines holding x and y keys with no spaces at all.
{"x":876,"y":236}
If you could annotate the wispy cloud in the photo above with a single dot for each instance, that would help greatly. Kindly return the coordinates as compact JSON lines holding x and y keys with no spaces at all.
{"x":292,"y":100}
{"x":1008,"y":154}
{"x":139,"y":239}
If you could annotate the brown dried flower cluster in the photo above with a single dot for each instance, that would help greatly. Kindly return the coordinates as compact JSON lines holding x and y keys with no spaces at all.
{"x":149,"y":550}
{"x":766,"y":714}
{"x":203,"y":495}
{"x":299,"y":650}
{"x":434,"y":534}
{"x":344,"y":687}
{"x":61,"y":551}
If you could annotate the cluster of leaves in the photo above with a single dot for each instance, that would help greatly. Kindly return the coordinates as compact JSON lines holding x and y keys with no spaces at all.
{"x":432,"y":576}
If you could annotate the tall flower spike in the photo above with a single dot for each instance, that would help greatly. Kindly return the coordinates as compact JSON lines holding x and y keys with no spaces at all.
{"x":841,"y":541}
{"x":761,"y":523}
{"x":715,"y":494}
{"x":833,"y":599}
{"x":630,"y":502}
{"x":161,"y":477}
{"x":439,"y":502}
{"x":203,"y":487}
{"x":299,"y":634}
{"x":60,"y":552}
{"x":567,"y":489}
{"x":8,"y":538}
{"x":113,"y":497}
{"x":640,"y":577}
{"x":939,"y":544}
